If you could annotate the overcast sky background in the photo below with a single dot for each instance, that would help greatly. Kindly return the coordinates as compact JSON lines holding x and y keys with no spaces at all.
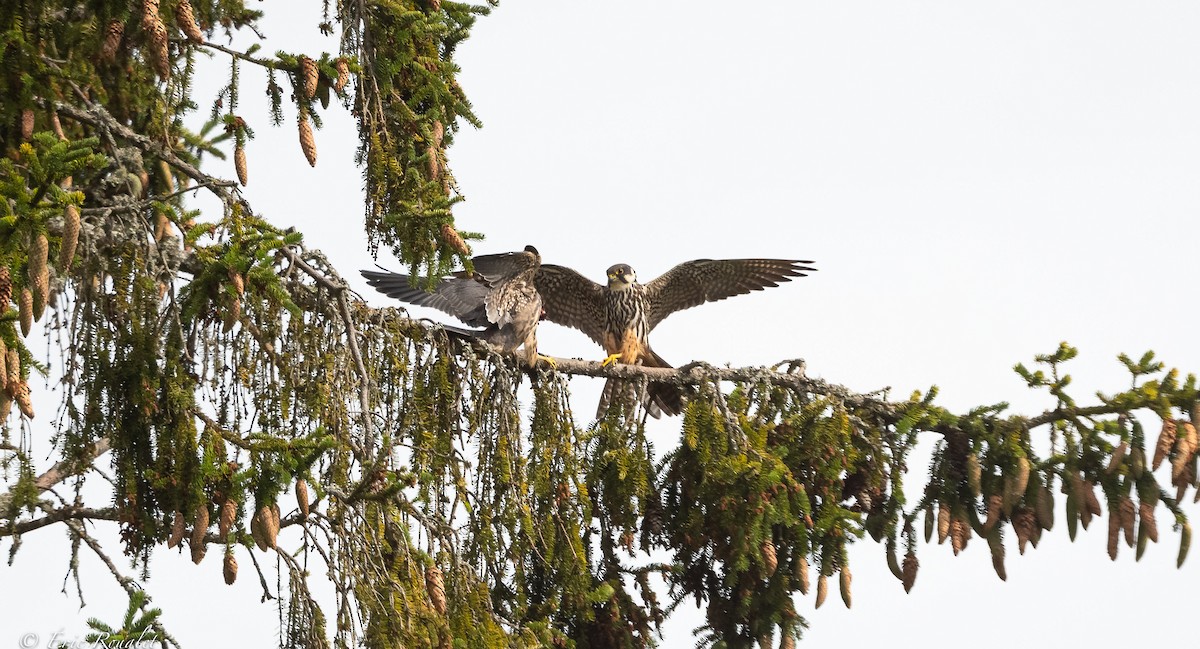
{"x":975,"y":182}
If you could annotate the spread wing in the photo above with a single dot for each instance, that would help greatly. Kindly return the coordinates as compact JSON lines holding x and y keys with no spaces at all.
{"x":494,"y":268}
{"x":707,"y":280}
{"x":461,"y":297}
{"x":571,"y":299}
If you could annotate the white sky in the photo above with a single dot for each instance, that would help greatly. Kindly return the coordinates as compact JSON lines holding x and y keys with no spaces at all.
{"x":976,"y":182}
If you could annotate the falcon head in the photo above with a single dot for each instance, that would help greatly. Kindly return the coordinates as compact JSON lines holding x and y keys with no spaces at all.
{"x":620,"y":277}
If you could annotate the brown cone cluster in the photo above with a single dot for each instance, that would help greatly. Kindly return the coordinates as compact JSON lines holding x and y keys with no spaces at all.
{"x":264,"y":527}
{"x":186,"y":17}
{"x":1166,"y":440}
{"x":909,"y":570}
{"x":226,"y":519}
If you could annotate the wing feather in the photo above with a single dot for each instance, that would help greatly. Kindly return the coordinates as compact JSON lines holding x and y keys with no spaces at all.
{"x":695,"y":282}
{"x":461,"y":297}
{"x":571,"y":299}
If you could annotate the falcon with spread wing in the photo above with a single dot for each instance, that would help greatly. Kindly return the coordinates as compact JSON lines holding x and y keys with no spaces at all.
{"x":499,"y":297}
{"x":620,"y":315}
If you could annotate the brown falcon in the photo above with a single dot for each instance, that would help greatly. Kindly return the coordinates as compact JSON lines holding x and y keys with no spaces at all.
{"x":499,"y":297}
{"x":620,"y":315}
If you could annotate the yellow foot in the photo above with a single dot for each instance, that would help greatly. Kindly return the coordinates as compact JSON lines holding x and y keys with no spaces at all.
{"x":612,"y":358}
{"x":552,"y":363}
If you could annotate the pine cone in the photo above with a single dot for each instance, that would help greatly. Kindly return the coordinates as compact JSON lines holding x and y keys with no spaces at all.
{"x":822,"y":591}
{"x":1146,"y":514}
{"x":769,"y":559}
{"x":13,"y":365}
{"x":343,"y":74}
{"x":960,"y":534}
{"x":910,"y":570}
{"x":943,"y":522}
{"x":239,"y":164}
{"x":801,"y":574}
{"x":5,"y":405}
{"x":230,"y":568}
{"x":257,"y":531}
{"x":454,"y":240}
{"x":994,"y":503}
{"x":70,"y":237}
{"x":1185,"y":447}
{"x":3,"y":367}
{"x":199,"y":529}
{"x":232,"y":314}
{"x":27,"y":124}
{"x":1185,"y":542}
{"x":6,"y":288}
{"x":437,"y":588}
{"x":1127,"y":513}
{"x":149,"y":11}
{"x":177,"y":529}
{"x":226,"y":518}
{"x":1114,"y":534}
{"x":844,"y":585}
{"x":113,"y":32}
{"x":39,"y":273}
{"x":302,"y":497}
{"x":1137,"y":462}
{"x":160,"y":56}
{"x":1024,"y":523}
{"x":309,"y":76}
{"x":974,"y":474}
{"x":26,"y":311}
{"x":1045,"y":508}
{"x":996,"y":545}
{"x":56,"y":126}
{"x":21,"y":396}
{"x":307,"y":144}
{"x":271,"y":524}
{"x":1117,"y":458}
{"x":186,"y":18}
{"x":1166,"y":440}
{"x":161,"y":224}
{"x":434,"y":153}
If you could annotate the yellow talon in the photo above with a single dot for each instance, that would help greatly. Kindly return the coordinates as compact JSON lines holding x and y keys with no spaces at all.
{"x":553,"y":364}
{"x":612,"y":358}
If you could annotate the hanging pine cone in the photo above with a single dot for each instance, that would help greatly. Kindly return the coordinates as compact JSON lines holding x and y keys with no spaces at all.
{"x":769,"y":558}
{"x":1025,"y":524}
{"x":437,"y":588}
{"x":149,"y":11}
{"x":161,"y":224}
{"x":1166,"y":440}
{"x":229,"y":570}
{"x":1117,"y":458}
{"x":1185,"y":447}
{"x":1044,"y":508}
{"x":232,"y":314}
{"x":21,"y":396}
{"x":3,"y":368}
{"x":199,"y":529}
{"x":226,"y":519}
{"x":5,"y":405}
{"x":13,"y":365}
{"x":186,"y":18}
{"x":455,"y":240}
{"x":1128,"y":515}
{"x":235,"y":280}
{"x":822,"y":591}
{"x":39,"y":273}
{"x":239,"y":164}
{"x":256,"y":528}
{"x":113,"y":32}
{"x":994,"y":502}
{"x":801,"y":574}
{"x":1114,"y":534}
{"x":343,"y":74}
{"x":302,"y":497}
{"x":25,"y":311}
{"x":177,"y":529}
{"x":160,"y":55}
{"x":943,"y":522}
{"x":27,"y":124}
{"x":56,"y":126}
{"x":309,"y":76}
{"x":960,"y":534}
{"x":70,"y":237}
{"x":909,"y":569}
{"x":307,"y":144}
{"x":844,"y":585}
{"x":974,"y":474}
{"x":6,"y":288}
{"x":1146,"y":514}
{"x":1185,"y":542}
{"x":996,"y":545}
